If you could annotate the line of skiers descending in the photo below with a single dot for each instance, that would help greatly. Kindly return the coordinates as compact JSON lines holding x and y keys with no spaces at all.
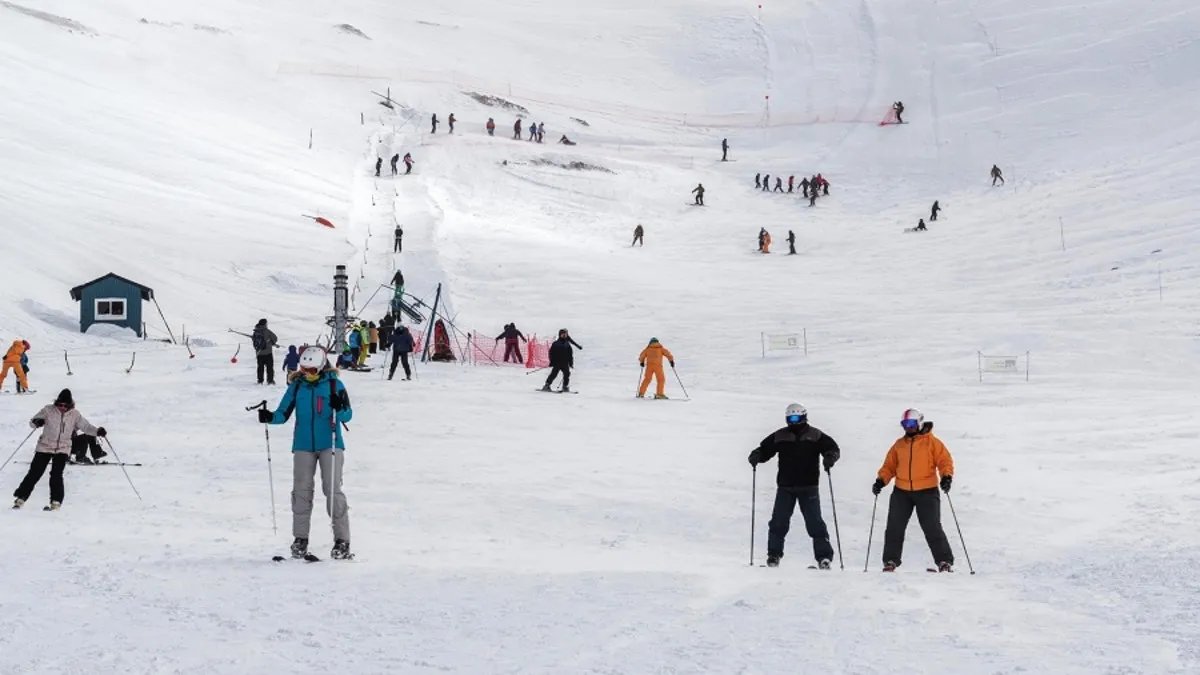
{"x":408,"y":164}
{"x":810,"y":187}
{"x":918,"y":462}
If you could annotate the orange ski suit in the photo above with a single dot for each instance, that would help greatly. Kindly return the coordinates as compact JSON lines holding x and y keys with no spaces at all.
{"x":652,"y":358}
{"x":12,"y":361}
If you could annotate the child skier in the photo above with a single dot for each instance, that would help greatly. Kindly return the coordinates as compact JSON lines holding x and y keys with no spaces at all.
{"x":12,"y":361}
{"x":58,"y":422}
{"x":291,"y":362}
{"x":512,"y":349}
{"x":915,"y":460}
{"x":799,"y":446}
{"x":321,"y":405}
{"x":651,"y":360}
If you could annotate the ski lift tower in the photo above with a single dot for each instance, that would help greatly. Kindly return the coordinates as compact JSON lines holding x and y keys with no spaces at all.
{"x":341,"y":297}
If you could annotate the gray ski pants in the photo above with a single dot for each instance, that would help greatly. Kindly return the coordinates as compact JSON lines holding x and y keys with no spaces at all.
{"x":304,"y":469}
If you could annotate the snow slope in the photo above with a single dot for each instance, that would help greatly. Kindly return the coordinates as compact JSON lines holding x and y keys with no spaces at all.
{"x":503,"y":531}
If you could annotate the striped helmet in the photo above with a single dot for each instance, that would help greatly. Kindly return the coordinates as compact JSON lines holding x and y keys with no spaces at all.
{"x":912,"y":419}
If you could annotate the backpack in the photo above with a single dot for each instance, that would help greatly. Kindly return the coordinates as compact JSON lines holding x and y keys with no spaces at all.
{"x":259,"y":341}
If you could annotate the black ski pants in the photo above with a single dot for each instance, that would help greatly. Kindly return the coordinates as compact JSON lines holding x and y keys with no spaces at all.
{"x":929,"y":513}
{"x":566,"y":373}
{"x":37,"y":468}
{"x":400,"y":357}
{"x":809,"y":499}
{"x":791,"y":248}
{"x":396,"y":248}
{"x":266,"y":366}
{"x":637,"y":239}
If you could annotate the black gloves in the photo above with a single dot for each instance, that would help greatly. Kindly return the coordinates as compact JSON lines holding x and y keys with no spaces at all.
{"x":755,"y":458}
{"x":641,"y":364}
{"x":828,"y":461}
{"x":265,"y":416}
{"x":338,"y":400}
{"x":672,"y":363}
{"x":878,"y":486}
{"x":37,"y":423}
{"x":946,"y":480}
{"x":102,"y":432}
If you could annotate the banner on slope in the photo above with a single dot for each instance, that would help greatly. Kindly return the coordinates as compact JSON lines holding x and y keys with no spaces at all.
{"x":778,"y":342}
{"x":1003,"y":365}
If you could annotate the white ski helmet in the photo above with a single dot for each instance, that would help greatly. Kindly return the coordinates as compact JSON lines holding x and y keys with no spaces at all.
{"x":912,"y":419}
{"x":313,"y":358}
{"x":796,"y":414}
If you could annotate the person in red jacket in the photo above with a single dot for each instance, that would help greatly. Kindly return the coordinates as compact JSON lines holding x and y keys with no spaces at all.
{"x":915,"y":461}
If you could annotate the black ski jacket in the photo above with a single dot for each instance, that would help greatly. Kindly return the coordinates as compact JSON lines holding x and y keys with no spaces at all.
{"x":561,"y":354}
{"x":800,"y":449}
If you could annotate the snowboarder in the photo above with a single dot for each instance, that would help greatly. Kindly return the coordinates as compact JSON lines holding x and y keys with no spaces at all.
{"x":321,"y":405}
{"x":434,"y":122}
{"x":898,"y":106}
{"x":766,"y":182}
{"x":12,"y":361}
{"x":562,"y":360}
{"x":638,"y":232}
{"x":791,"y":184}
{"x":397,"y":292}
{"x":933,"y":212}
{"x":724,"y":149}
{"x":264,"y":343}
{"x":491,"y":127}
{"x":791,"y":240}
{"x":699,"y":192}
{"x":402,"y":346}
{"x":651,"y":360}
{"x":803,"y":450}
{"x":451,"y":120}
{"x":58,"y":422}
{"x":517,"y":130}
{"x":398,"y":244}
{"x":758,"y":181}
{"x":291,"y":362}
{"x":408,"y":163}
{"x":920,"y":226}
{"x":378,"y":165}
{"x":915,"y":460}
{"x":512,"y":350}
{"x":804,"y":186}
{"x":996,"y":175}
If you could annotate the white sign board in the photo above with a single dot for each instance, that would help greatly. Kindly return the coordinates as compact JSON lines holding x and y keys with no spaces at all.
{"x":1003,"y":365}
{"x":774,"y":342}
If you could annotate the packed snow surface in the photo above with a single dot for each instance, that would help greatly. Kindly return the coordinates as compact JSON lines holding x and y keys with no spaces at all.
{"x":501,"y":531}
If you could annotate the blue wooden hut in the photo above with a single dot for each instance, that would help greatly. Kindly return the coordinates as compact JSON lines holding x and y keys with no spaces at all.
{"x":111,"y":299}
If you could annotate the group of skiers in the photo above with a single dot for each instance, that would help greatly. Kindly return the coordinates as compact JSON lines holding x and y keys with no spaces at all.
{"x":810,"y":187}
{"x":764,"y":241}
{"x":16,"y":360}
{"x":408,"y":164}
{"x":434,"y":122}
{"x":918,"y":462}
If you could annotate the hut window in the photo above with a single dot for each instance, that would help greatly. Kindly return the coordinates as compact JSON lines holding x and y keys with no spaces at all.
{"x":110,"y":309}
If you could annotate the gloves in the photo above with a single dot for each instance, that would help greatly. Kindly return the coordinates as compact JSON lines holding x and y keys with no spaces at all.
{"x":265,"y":416}
{"x":38,"y":423}
{"x":878,"y":486}
{"x":755,"y":458}
{"x":946,"y":483}
{"x":338,"y":400}
{"x":672,"y":363}
{"x":828,"y":461}
{"x":102,"y":432}
{"x":641,"y":364}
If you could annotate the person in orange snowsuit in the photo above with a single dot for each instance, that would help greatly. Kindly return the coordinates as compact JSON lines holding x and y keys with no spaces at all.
{"x":651,"y":360}
{"x":12,"y":361}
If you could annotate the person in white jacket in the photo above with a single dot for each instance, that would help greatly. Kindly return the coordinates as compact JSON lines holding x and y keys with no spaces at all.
{"x":58,"y":422}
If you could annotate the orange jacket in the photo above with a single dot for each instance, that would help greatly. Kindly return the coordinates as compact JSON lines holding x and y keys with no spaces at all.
{"x":13,"y":357}
{"x":653,"y":355}
{"x":915,"y":461}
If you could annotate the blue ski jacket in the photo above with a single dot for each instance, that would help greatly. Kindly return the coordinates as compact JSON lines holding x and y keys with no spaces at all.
{"x":318,"y":426}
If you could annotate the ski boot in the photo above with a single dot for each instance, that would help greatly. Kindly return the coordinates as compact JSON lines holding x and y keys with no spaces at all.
{"x":890,"y":566}
{"x":18,"y":503}
{"x":641,"y":396}
{"x":546,"y":388}
{"x":773,"y":559}
{"x":54,"y":506}
{"x":945,"y":567}
{"x":341,"y":550}
{"x":299,"y":547}
{"x":98,"y":455}
{"x":823,"y":564}
{"x":566,"y":389}
{"x":660,"y":397}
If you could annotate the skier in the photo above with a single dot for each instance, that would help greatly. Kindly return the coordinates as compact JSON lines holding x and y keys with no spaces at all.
{"x":996,"y":176}
{"x":451,"y":120}
{"x":434,"y":122}
{"x":791,"y":240}
{"x":354,"y":342}
{"x":920,"y":226}
{"x":779,"y":184}
{"x":791,"y":183}
{"x":291,"y":362}
{"x":402,"y":346}
{"x":398,"y":244}
{"x":724,"y":149}
{"x":699,"y":192}
{"x":264,"y":342}
{"x":933,"y":212}
{"x":511,"y":348}
{"x":562,"y":360}
{"x":81,"y":444}
{"x":915,"y":460}
{"x":758,"y":181}
{"x":812,"y":194}
{"x":378,"y":165}
{"x":804,"y":186}
{"x":766,"y":182}
{"x":387,"y":327}
{"x":565,"y":141}
{"x":373,"y":337}
{"x":491,"y":127}
{"x":799,"y":445}
{"x":397,"y":292}
{"x":766,"y":242}
{"x":517,"y":130}
{"x":824,"y":185}
{"x":533,"y":129}
{"x":12,"y":361}
{"x":395,"y":161}
{"x":541,"y":132}
{"x":408,"y":163}
{"x":651,"y":360}
{"x":637,"y":236}
{"x":898,"y":106}
{"x":58,"y":422}
{"x":364,"y":340}
{"x":321,"y":405}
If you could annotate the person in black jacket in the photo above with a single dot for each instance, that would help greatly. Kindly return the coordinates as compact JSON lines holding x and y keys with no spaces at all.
{"x":402,"y":346}
{"x":562,"y":360}
{"x":512,"y":349}
{"x":799,"y":446}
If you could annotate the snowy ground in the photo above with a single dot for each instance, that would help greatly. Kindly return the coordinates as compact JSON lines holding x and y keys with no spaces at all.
{"x":499,"y":530}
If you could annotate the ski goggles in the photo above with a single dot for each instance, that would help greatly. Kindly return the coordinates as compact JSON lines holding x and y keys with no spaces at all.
{"x":910,"y":424}
{"x":796,"y":419}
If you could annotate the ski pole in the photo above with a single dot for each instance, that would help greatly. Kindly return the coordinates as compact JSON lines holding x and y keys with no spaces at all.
{"x":836,"y":530}
{"x":871,"y":533}
{"x":270,"y":471}
{"x":753,"y":500}
{"x":535,"y":370}
{"x":114,"y":452}
{"x":19,"y":446}
{"x":685,"y":394}
{"x":638,"y":389}
{"x":960,"y":536}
